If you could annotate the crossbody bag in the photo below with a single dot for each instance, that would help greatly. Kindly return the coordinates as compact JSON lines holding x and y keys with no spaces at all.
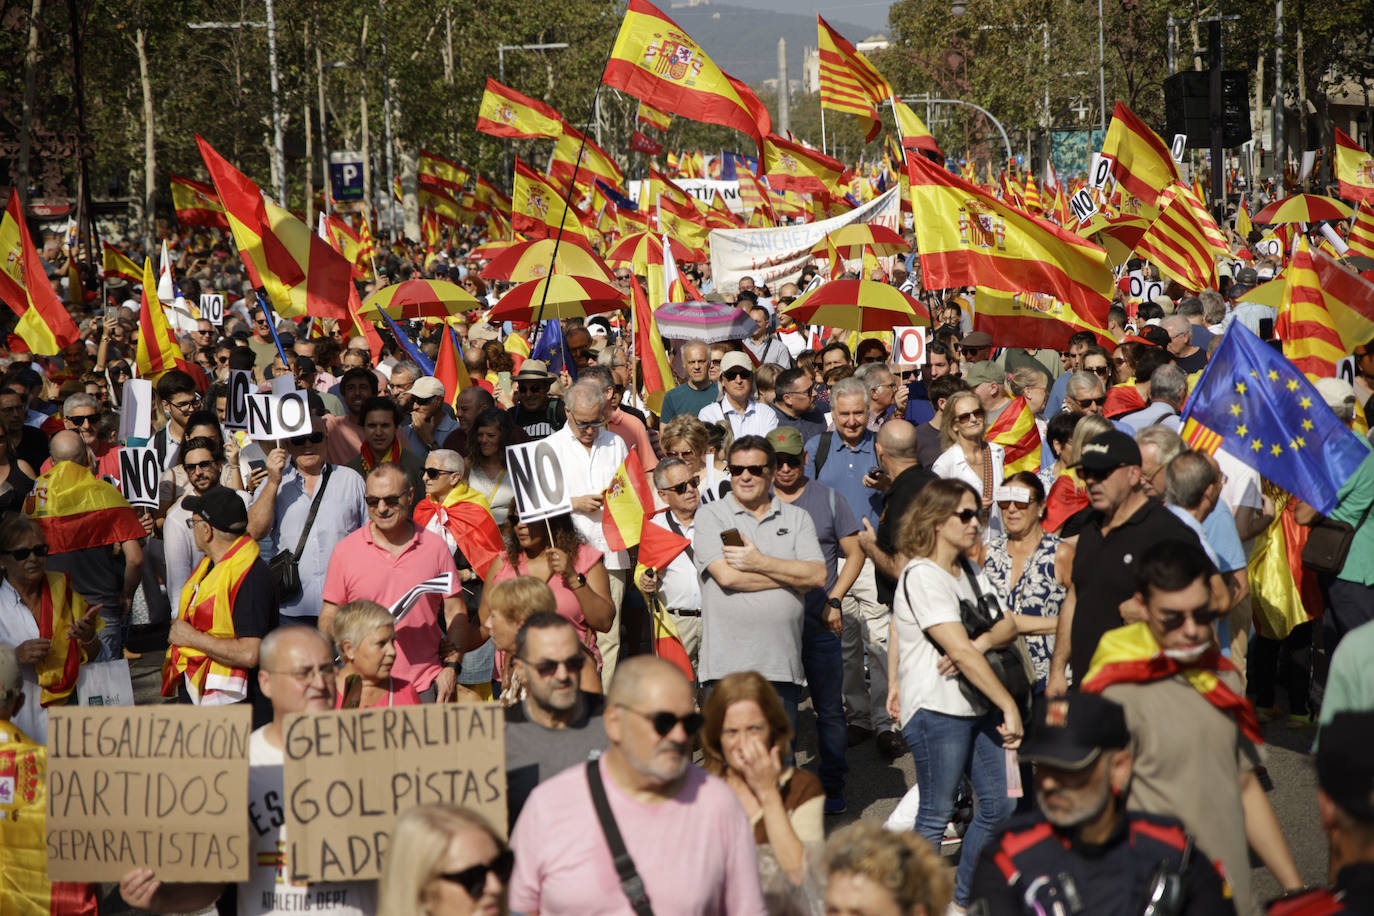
{"x":630,"y":882}
{"x":286,"y":564}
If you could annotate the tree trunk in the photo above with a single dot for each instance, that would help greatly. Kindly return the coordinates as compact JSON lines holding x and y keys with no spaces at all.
{"x":26,"y":116}
{"x":309,"y":170}
{"x":149,"y":150}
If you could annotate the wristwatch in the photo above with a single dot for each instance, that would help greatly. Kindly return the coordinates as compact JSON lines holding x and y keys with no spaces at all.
{"x":576,"y":581}
{"x":834,"y":602}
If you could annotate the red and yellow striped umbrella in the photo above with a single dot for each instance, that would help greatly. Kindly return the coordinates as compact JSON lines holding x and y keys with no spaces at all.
{"x":491,"y":249}
{"x":562,"y":295}
{"x":527,"y":261}
{"x":858,"y":305}
{"x":851,"y":241}
{"x":420,"y":299}
{"x":640,"y":248}
{"x":1303,"y":208}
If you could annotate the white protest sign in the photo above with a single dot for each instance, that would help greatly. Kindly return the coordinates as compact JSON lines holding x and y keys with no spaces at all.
{"x":212,"y":308}
{"x":1100,"y":172}
{"x":278,"y":416}
{"x":1083,"y":204}
{"x":284,"y":383}
{"x":909,"y":345}
{"x":703,"y":189}
{"x":537,"y":476}
{"x":777,"y":255}
{"x":1345,"y":370}
{"x":236,"y":404}
{"x":136,"y":410}
{"x":1143,"y":289}
{"x":140,"y":469}
{"x":1271,"y":248}
{"x":1177,"y":148}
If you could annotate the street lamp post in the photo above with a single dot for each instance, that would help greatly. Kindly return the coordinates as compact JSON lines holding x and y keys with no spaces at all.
{"x":987,"y":114}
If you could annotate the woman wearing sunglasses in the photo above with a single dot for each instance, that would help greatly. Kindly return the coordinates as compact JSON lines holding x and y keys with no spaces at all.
{"x":50,"y":626}
{"x":746,"y":740}
{"x":968,"y":456}
{"x":956,"y":716}
{"x":445,"y":861}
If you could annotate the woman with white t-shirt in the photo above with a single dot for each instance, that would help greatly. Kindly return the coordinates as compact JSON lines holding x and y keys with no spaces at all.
{"x":956,"y":716}
{"x":969,"y":457}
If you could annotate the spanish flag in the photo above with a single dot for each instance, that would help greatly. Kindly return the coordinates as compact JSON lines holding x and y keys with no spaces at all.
{"x":466,"y":518}
{"x":78,"y":510}
{"x":657,"y":62}
{"x":158,"y":350}
{"x":438,"y":201}
{"x":1243,"y":224}
{"x":1015,"y":430}
{"x":488,"y":198}
{"x":445,"y":173}
{"x":791,"y":166}
{"x":657,"y":548}
{"x":504,"y":112}
{"x":661,"y":185}
{"x":347,"y":242}
{"x":686,"y":223}
{"x":628,"y":502}
{"x":118,"y":266}
{"x":653,"y":359}
{"x":449,"y":367}
{"x":849,"y":83}
{"x":968,"y":238}
{"x":45,"y":325}
{"x":574,"y":151}
{"x":1281,"y":589}
{"x":299,"y":271}
{"x":1141,"y":161}
{"x":651,"y":116}
{"x":1130,"y":655}
{"x":1354,"y":169}
{"x":538,"y":208}
{"x":197,"y":204}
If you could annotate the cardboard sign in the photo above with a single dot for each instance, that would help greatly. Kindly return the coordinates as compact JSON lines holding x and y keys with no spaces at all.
{"x":348,"y":774}
{"x":278,"y":416}
{"x":1178,"y":146}
{"x":136,"y":410}
{"x":236,"y":404}
{"x":1100,"y":173}
{"x":140,"y":470}
{"x":1083,"y":204}
{"x":160,"y":787}
{"x":537,"y":477}
{"x":909,"y":345}
{"x":212,"y":308}
{"x":1144,"y":290}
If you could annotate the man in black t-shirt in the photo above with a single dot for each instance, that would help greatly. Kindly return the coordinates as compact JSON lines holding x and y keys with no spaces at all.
{"x":534,"y":411}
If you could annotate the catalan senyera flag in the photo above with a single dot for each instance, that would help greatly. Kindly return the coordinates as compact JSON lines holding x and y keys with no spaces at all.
{"x":197,"y":204}
{"x":1184,"y":240}
{"x":299,"y":271}
{"x":656,"y":61}
{"x":1354,"y":169}
{"x":442,"y":172}
{"x":650,"y":115}
{"x":1032,"y":320}
{"x":575,"y":151}
{"x":791,"y":166}
{"x":849,"y":83}
{"x":628,"y":501}
{"x":504,"y":112}
{"x":537,"y":207}
{"x":158,"y":350}
{"x":1349,"y":300}
{"x":77,"y":510}
{"x":653,"y":360}
{"x":968,"y":238}
{"x":1361,"y":237}
{"x":44,"y":324}
{"x":1031,"y":194}
{"x":1310,"y":340}
{"x":1141,"y":160}
{"x":1015,"y":430}
{"x":117,"y":264}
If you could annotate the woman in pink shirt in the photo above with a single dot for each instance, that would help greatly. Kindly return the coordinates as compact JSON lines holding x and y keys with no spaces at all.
{"x":365,"y":636}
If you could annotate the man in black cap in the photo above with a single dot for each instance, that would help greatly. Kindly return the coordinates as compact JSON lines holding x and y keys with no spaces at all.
{"x":1345,"y":802}
{"x":226,"y":607}
{"x":1124,"y":523}
{"x":1082,"y":852}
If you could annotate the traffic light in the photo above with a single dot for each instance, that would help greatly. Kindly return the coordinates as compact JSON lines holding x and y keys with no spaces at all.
{"x":1186,"y":108}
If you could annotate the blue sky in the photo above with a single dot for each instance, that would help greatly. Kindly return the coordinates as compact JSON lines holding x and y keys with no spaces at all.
{"x":870,"y":13}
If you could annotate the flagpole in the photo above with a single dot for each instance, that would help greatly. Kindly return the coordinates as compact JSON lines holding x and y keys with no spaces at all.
{"x":823,"y":151}
{"x":272,"y":326}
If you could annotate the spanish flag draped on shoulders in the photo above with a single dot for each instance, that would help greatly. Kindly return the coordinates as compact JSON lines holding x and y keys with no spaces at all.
{"x":1130,"y":655}
{"x":61,"y":608}
{"x":463,"y":519}
{"x":207,"y":603}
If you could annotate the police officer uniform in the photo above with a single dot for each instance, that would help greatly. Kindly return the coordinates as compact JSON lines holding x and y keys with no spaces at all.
{"x":1034,"y":867}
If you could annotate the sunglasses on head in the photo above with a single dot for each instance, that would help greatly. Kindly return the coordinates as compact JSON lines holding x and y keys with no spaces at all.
{"x":680,"y":488}
{"x":391,"y":501}
{"x":473,"y":880}
{"x":736,"y":374}
{"x":664,"y":722}
{"x":1203,"y":618}
{"x":22,"y":553}
{"x":549,"y":667}
{"x":754,"y":470}
{"x":965,"y":515}
{"x":312,"y":438}
{"x":436,"y":473}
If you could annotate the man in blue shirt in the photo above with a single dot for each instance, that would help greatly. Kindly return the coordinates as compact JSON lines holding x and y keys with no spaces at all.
{"x":698,"y":390}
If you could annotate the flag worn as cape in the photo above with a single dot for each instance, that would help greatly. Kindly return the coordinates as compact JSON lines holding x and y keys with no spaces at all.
{"x":77,"y":510}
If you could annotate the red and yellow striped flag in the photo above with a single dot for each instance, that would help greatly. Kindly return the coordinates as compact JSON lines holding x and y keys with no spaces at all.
{"x":44,"y":324}
{"x":1184,"y":240}
{"x":661,"y":185}
{"x":1015,"y":430}
{"x":504,"y":112}
{"x":628,"y":501}
{"x":1032,"y":195}
{"x":77,"y":510}
{"x":443,"y":172}
{"x":1141,"y":161}
{"x":158,"y":350}
{"x":117,"y":264}
{"x":1310,"y":340}
{"x":791,"y":166}
{"x":684,"y":222}
{"x":576,"y":151}
{"x":197,"y":204}
{"x":849,"y":83}
{"x":1361,"y":237}
{"x":753,"y":195}
{"x":1354,"y":169}
{"x":1031,"y":320}
{"x":1243,"y":225}
{"x":348,"y":243}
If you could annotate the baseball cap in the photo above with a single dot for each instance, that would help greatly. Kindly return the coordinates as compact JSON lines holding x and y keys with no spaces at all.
{"x":1072,"y":731}
{"x":984,"y":371}
{"x":976,"y":339}
{"x":1345,"y":771}
{"x":427,"y":387}
{"x":1154,"y":335}
{"x":735,"y":360}
{"x":1108,"y":451}
{"x":787,"y":440}
{"x":221,"y":507}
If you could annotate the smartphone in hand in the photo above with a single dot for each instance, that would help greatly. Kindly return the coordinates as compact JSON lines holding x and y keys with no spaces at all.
{"x":730,"y":537}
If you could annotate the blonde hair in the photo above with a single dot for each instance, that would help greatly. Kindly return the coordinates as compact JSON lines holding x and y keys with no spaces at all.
{"x":418,"y":845}
{"x":685,"y":428}
{"x":1088,"y":426}
{"x":947,"y":434}
{"x":520,"y":598}
{"x":936,"y":502}
{"x":356,"y":619}
{"x":901,"y":862}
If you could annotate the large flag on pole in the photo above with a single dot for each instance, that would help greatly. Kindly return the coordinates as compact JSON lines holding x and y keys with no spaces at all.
{"x":656,"y":61}
{"x":197,"y":204}
{"x":436,"y":170}
{"x":507,"y":113}
{"x":1361,"y":237}
{"x":594,"y":162}
{"x":915,"y":134}
{"x":45,"y":325}
{"x":849,"y":83}
{"x":158,"y":350}
{"x":118,"y":265}
{"x":969,"y":238}
{"x":1184,"y":240}
{"x":1141,"y":161}
{"x":537,"y":207}
{"x":1354,"y":169}
{"x":791,"y":166}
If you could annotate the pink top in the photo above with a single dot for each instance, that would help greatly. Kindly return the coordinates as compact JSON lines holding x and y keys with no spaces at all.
{"x":360,"y":568}
{"x":562,"y":864}
{"x":343,"y":439}
{"x":568,"y":605}
{"x":635,"y":435}
{"x":400,"y":693}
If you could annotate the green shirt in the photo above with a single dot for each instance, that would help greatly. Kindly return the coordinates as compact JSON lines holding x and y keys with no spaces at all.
{"x":1352,"y":507}
{"x":1350,"y":682}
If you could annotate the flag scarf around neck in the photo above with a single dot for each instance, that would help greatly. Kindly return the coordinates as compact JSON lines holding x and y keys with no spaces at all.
{"x":78,"y":510}
{"x":44,"y":323}
{"x":370,"y":460}
{"x":1130,"y":655}
{"x":1141,"y":161}
{"x":197,"y":204}
{"x":207,"y":603}
{"x":657,"y":62}
{"x":300,"y":272}
{"x":969,"y":238}
{"x":61,"y":608}
{"x":463,"y":519}
{"x":158,"y":351}
{"x":506,"y":113}
{"x":1015,"y":430}
{"x":1354,"y":169}
{"x":849,"y":83}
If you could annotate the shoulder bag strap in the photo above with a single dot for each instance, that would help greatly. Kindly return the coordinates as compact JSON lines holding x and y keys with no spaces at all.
{"x":822,"y":451}
{"x":630,"y":882}
{"x":314,"y":508}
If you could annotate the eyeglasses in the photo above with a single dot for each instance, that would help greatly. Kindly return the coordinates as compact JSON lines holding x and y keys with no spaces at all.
{"x":590,"y":424}
{"x":306,"y":675}
{"x":84,"y":419}
{"x":686,"y":454}
{"x":533,"y":388}
{"x":787,"y":300}
{"x":969,"y":415}
{"x":436,"y":473}
{"x":473,"y":880}
{"x":184,"y":406}
{"x":735,"y":375}
{"x":1103,"y":371}
{"x":120,"y":370}
{"x":809,"y":391}
{"x":891,"y":384}
{"x":549,"y":667}
{"x":965,"y":515}
{"x":206,"y":331}
{"x":1085,"y":403}
{"x":391,"y":501}
{"x":209,"y":465}
{"x":22,"y":553}
{"x":754,"y":470}
{"x":715,"y":362}
{"x":1175,"y":619}
{"x":664,"y":722}
{"x":312,"y":438}
{"x":791,"y":461}
{"x":680,"y":488}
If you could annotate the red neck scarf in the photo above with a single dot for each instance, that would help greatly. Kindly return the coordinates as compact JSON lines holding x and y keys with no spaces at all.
{"x":370,"y":460}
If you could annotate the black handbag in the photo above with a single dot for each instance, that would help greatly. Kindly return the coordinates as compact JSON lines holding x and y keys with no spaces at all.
{"x":285,"y":565}
{"x":1328,"y":544}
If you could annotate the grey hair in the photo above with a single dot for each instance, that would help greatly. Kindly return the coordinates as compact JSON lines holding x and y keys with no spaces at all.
{"x":663,"y":467}
{"x":608,"y":356}
{"x":1187,"y":478}
{"x":1169,"y":443}
{"x":1213,"y":306}
{"x":80,"y":399}
{"x":449,"y":460}
{"x":1083,"y":382}
{"x":693,"y":344}
{"x":1176,"y":324}
{"x":847,"y":387}
{"x":869,"y":373}
{"x":1169,"y":383}
{"x":405,"y":365}
{"x":598,"y":373}
{"x":585,"y":394}
{"x":1190,"y":307}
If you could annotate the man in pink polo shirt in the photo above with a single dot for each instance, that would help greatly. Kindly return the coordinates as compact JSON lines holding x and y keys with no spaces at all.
{"x":383,"y":560}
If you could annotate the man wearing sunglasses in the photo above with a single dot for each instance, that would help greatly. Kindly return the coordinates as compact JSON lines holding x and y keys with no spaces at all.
{"x":794,"y":402}
{"x":81,"y":414}
{"x":737,"y":404}
{"x":296,"y":674}
{"x":677,"y":584}
{"x":534,"y":411}
{"x":429,"y":422}
{"x":690,"y":842}
{"x":202,"y":458}
{"x":1071,"y":360}
{"x":1181,"y":696}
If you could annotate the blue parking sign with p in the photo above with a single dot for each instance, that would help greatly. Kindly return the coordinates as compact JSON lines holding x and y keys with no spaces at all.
{"x":346,"y":175}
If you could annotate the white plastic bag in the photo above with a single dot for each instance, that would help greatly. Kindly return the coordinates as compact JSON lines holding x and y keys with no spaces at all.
{"x":105,"y":684}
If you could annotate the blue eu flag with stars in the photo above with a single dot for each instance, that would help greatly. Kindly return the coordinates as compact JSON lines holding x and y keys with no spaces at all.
{"x":1260,"y":407}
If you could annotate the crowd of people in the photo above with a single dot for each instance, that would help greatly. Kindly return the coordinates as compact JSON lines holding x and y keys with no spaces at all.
{"x":1075,"y":657}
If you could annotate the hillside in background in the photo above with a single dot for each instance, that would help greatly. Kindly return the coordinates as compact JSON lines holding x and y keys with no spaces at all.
{"x":744,"y":42}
